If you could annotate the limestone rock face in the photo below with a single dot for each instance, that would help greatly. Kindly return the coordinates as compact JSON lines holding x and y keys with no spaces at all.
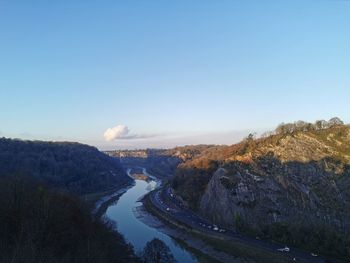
{"x":298,"y":194}
{"x":301,"y":178}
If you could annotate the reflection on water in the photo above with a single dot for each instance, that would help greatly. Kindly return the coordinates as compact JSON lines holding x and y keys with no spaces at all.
{"x":150,"y":187}
{"x":136,"y":232}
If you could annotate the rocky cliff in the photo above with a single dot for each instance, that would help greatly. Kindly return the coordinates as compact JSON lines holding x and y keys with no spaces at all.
{"x":298,"y":181}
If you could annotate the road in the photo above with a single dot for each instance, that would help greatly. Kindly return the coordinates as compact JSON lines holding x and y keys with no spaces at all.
{"x":165,"y":200}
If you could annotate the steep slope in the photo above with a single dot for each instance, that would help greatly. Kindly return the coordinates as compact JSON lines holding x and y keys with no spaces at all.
{"x":40,"y":225}
{"x":41,"y":220}
{"x":73,"y":167}
{"x":290,"y":187}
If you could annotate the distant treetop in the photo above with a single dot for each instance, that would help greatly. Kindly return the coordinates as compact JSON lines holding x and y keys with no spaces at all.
{"x":285,"y":128}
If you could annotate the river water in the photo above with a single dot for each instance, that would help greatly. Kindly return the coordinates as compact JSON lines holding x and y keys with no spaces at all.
{"x":136,"y":232}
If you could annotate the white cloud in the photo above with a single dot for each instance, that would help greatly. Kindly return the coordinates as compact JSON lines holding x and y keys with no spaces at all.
{"x":117,"y":132}
{"x":122,"y":132}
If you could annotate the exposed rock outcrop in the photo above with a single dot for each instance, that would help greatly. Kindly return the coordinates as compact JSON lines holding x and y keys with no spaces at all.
{"x":300,"y":178}
{"x":297,"y":193}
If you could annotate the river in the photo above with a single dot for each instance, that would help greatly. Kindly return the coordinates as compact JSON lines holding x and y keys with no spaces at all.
{"x":136,"y":232}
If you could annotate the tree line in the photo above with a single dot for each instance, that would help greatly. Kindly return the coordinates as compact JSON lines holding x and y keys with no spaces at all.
{"x":302,"y":126}
{"x":72,"y":167}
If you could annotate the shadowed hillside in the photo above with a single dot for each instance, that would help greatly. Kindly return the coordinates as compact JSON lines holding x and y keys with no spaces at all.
{"x":42,"y":226}
{"x":40,"y":221}
{"x":73,"y":167}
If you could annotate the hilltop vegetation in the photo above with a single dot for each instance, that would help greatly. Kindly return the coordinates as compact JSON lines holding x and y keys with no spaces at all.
{"x":302,"y":126}
{"x":72,"y":167}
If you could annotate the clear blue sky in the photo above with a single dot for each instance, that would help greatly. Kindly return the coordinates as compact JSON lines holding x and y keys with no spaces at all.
{"x":181,"y":69}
